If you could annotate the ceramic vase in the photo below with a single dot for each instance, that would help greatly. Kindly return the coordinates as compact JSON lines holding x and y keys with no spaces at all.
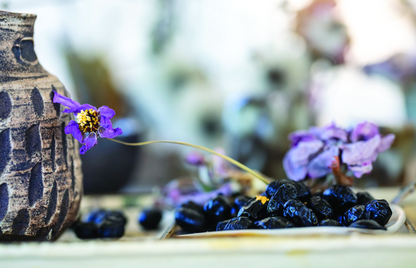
{"x":40,"y":166}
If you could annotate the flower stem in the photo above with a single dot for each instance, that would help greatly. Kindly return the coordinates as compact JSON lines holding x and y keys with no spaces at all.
{"x":238,"y":164}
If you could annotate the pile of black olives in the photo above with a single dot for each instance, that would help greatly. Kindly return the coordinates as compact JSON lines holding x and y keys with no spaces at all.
{"x":286,"y":204}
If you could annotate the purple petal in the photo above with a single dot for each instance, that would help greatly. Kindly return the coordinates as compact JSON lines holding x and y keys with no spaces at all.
{"x":89,"y":142}
{"x":58,"y":98}
{"x":386,"y":143}
{"x":79,"y":109}
{"x":304,"y":150}
{"x":195,"y":159}
{"x":106,"y":111}
{"x":364,"y":131}
{"x":333,"y":132}
{"x":74,"y":107}
{"x":301,"y":135}
{"x":361,"y":170}
{"x":294,"y":171}
{"x":361,"y":152}
{"x":107,"y":130}
{"x":72,"y":128}
{"x":320,"y":165}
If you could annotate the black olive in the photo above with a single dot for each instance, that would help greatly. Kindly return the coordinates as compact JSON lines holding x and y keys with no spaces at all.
{"x":150,"y":218}
{"x":296,"y":211}
{"x":285,"y":192}
{"x":363,"y":198}
{"x":272,"y":187}
{"x":320,"y":207}
{"x":192,"y":205}
{"x":238,"y":203}
{"x":99,"y":216}
{"x":217,"y":209}
{"x":329,"y":222}
{"x":111,"y":229}
{"x":274,"y":223}
{"x":238,"y":223}
{"x":379,"y":210}
{"x":341,"y":198}
{"x":190,"y":220}
{"x":255,"y":208}
{"x":302,"y":191}
{"x":86,"y":230}
{"x":367,"y":224}
{"x":354,"y":214}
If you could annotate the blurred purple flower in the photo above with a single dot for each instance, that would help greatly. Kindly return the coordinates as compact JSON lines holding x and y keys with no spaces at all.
{"x":364,"y":131}
{"x":332,"y":132}
{"x":321,"y":165}
{"x":90,"y":122}
{"x":301,"y":135}
{"x":195,"y":159}
{"x":297,"y":159}
{"x":313,"y":150}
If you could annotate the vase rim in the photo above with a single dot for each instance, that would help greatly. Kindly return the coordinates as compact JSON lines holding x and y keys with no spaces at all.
{"x":9,"y":14}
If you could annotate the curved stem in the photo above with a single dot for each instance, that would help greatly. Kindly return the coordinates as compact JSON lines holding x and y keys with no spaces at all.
{"x":238,"y":164}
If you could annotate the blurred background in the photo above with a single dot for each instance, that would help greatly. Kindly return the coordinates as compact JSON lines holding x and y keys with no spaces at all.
{"x":238,"y":75}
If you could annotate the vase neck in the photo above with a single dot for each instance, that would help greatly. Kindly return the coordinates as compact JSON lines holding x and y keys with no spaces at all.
{"x":17,"y":54}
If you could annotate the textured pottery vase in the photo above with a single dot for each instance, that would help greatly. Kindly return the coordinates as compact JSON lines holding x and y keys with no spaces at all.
{"x":40,"y":167}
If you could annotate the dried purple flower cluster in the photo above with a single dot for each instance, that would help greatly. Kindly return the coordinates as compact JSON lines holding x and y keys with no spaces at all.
{"x":313,"y":151}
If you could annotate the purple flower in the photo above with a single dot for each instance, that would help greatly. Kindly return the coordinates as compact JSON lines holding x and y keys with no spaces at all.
{"x":364,"y":131}
{"x":332,"y":132}
{"x":195,"y":159}
{"x":321,"y":165}
{"x":301,"y":135}
{"x":297,"y":159}
{"x":90,"y":122}
{"x":313,"y":150}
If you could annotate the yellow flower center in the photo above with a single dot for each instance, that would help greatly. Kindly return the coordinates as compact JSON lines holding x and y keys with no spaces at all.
{"x":88,"y":121}
{"x":263,"y":199}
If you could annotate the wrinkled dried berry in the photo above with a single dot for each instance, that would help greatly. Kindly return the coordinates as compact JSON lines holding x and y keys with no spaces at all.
{"x":238,"y":223}
{"x":238,"y":203}
{"x":379,"y":210}
{"x":272,"y":187}
{"x":363,"y":198}
{"x":150,"y":218}
{"x":341,"y":198}
{"x":329,"y":222}
{"x":254,"y":209}
{"x":274,"y":223}
{"x":354,"y":214}
{"x":86,"y":230}
{"x":111,"y":229}
{"x":296,"y":211}
{"x":303,"y":191}
{"x":190,"y":220}
{"x":192,"y":205}
{"x":99,"y":216}
{"x":367,"y":224}
{"x":217,"y":209}
{"x":284,"y":193}
{"x":320,"y":207}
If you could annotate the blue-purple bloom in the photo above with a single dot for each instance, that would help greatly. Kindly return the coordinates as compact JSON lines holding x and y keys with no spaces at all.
{"x":313,"y":151}
{"x":90,"y":122}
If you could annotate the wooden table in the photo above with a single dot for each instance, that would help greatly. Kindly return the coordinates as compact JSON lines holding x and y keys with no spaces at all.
{"x":145,"y":249}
